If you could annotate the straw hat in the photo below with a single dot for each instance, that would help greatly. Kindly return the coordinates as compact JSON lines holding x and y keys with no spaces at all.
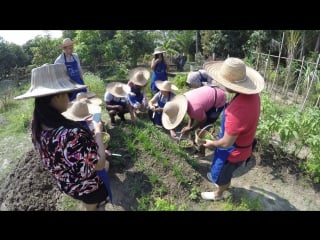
{"x":139,"y":76}
{"x":235,"y":75}
{"x":66,"y":43}
{"x":90,"y":94}
{"x":158,"y":50}
{"x":86,"y":97}
{"x":118,"y":89}
{"x":165,"y":86}
{"x":50,"y":79}
{"x":81,"y":110}
{"x":174,"y":111}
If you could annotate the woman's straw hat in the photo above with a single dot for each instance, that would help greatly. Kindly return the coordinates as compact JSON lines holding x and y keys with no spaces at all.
{"x":158,"y":50}
{"x":139,"y":76}
{"x":235,"y":75}
{"x":118,"y":89}
{"x":174,"y":111}
{"x":165,"y":86}
{"x":83,"y":107}
{"x":66,"y":43}
{"x":88,"y":98}
{"x":81,"y":110}
{"x":50,"y":79}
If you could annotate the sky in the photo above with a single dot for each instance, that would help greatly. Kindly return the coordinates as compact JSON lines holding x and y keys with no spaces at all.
{"x":20,"y":37}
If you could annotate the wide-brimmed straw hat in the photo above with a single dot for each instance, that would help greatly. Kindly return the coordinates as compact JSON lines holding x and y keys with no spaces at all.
{"x":158,"y":50}
{"x":118,"y":89}
{"x":66,"y":43}
{"x":235,"y":75}
{"x":50,"y":79}
{"x":90,"y":94}
{"x":165,"y":86}
{"x":88,"y":98}
{"x":81,"y":110}
{"x":174,"y":111}
{"x":139,"y":76}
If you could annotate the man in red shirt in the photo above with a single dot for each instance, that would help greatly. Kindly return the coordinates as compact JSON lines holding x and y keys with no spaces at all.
{"x":238,"y":124}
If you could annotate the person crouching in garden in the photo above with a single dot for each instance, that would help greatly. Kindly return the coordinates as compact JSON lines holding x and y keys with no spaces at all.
{"x":138,"y":79}
{"x":158,"y":101}
{"x":116,"y":102}
{"x":203,"y":106}
{"x":70,"y":152}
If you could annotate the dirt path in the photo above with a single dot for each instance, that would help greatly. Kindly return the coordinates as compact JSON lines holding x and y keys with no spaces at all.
{"x":276,"y":183}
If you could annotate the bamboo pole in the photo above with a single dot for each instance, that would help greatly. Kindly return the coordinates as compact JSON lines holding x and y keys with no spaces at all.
{"x":265,"y":70}
{"x":295,"y":92}
{"x":286,"y":83}
{"x":275,"y":76}
{"x":257,"y":62}
{"x":317,"y":101}
{"x":312,"y":79}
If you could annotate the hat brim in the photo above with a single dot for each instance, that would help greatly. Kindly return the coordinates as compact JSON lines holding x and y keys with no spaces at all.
{"x":145,"y":72}
{"x":91,"y":101}
{"x":159,"y":85}
{"x":158,"y":52}
{"x":43,"y":91}
{"x":90,"y":94}
{"x":111,"y":89}
{"x":92,"y":108}
{"x":172,"y":123}
{"x":254,"y":82}
{"x":70,"y":116}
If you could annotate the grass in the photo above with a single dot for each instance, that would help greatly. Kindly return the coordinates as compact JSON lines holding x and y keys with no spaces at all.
{"x":140,"y":141}
{"x":15,"y":122}
{"x":245,"y":204}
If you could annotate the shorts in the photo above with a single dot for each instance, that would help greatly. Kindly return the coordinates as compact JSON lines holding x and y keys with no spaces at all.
{"x":96,"y":196}
{"x":227,"y":172}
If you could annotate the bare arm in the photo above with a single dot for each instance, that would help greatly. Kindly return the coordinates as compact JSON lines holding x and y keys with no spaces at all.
{"x":225,"y":142}
{"x":152,"y":102}
{"x":154,"y":63}
{"x":98,"y":127}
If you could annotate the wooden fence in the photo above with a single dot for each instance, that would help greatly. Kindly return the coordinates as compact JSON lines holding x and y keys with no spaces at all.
{"x":294,"y":82}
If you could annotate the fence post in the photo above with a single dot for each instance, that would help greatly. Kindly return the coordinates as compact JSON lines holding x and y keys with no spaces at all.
{"x":286,"y":83}
{"x":312,"y":79}
{"x":295,"y":92}
{"x":279,"y":57}
{"x":265,"y":70}
{"x":257,"y":62}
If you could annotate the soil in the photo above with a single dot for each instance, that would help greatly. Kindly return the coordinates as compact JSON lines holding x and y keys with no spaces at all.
{"x":272,"y":178}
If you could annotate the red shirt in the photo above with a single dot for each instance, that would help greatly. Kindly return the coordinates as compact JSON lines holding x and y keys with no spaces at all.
{"x":242,"y":117}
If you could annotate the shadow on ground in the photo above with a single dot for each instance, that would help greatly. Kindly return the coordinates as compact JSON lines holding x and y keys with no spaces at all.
{"x":268,"y":200}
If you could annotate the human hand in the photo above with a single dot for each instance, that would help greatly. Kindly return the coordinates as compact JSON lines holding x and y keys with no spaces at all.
{"x":208,"y":144}
{"x":108,"y":153}
{"x":185,"y":130}
{"x":158,"y":109}
{"x":137,"y":105}
{"x":98,"y":126}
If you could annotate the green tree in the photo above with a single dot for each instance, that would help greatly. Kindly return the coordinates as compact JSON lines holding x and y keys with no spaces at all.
{"x":134,"y":44}
{"x":11,"y":56}
{"x":45,"y":50}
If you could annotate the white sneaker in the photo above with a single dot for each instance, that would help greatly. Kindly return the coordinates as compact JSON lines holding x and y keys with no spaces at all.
{"x":210,"y":196}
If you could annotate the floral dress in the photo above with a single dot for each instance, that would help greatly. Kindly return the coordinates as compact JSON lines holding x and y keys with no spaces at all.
{"x":71,"y":155}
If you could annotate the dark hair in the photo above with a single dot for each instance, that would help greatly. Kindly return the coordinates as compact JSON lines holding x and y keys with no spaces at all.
{"x":156,"y":56}
{"x":45,"y":114}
